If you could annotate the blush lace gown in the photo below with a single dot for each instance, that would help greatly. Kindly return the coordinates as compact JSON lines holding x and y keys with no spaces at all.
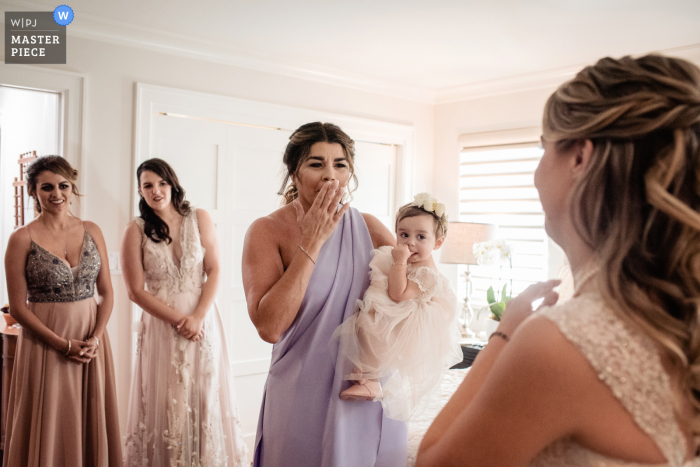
{"x":182,"y":409}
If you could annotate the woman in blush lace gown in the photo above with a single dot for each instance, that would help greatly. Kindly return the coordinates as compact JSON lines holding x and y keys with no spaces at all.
{"x":612,"y":376}
{"x":181,"y":409}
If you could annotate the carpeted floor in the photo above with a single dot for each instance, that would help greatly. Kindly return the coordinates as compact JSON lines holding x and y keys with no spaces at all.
{"x":420,"y":423}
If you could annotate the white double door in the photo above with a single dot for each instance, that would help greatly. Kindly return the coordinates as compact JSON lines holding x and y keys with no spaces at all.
{"x":234,"y":173}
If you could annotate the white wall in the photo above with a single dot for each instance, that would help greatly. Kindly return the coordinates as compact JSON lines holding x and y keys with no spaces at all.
{"x":28,"y":122}
{"x":111,"y":72}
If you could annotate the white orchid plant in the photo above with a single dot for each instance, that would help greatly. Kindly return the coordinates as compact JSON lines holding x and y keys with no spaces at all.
{"x":495,"y":253}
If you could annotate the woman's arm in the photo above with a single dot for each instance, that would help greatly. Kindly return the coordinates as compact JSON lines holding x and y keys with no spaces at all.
{"x":380,"y":235}
{"x":15,"y":266}
{"x":132,"y":269}
{"x":191,"y":326}
{"x":521,"y":406}
{"x":507,"y":389}
{"x":104,"y":290}
{"x":273,"y":294}
{"x":518,"y":310}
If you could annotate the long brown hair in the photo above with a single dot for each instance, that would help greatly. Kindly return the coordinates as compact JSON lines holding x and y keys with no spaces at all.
{"x":638,"y":203}
{"x":154,"y":227}
{"x":299,"y":147}
{"x":55,"y":164}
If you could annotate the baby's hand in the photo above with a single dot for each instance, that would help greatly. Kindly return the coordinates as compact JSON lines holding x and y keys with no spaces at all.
{"x":400,"y":253}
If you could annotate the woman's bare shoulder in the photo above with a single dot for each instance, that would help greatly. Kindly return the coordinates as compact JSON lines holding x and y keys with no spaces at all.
{"x":539,"y":347}
{"x":92,"y":228}
{"x":20,"y":237}
{"x":274,"y":223}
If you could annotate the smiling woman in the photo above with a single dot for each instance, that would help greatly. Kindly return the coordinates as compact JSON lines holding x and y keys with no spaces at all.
{"x":54,"y":266}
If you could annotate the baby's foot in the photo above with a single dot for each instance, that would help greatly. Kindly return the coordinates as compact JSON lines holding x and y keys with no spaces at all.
{"x":363,"y":390}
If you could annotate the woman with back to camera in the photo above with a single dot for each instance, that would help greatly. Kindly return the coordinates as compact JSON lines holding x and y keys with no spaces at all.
{"x":610,"y":378}
{"x":62,"y":406}
{"x":304,"y":267}
{"x":182,"y":408}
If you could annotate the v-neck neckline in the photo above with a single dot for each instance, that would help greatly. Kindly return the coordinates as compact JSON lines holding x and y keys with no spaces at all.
{"x":65,"y":262}
{"x":171,"y":252}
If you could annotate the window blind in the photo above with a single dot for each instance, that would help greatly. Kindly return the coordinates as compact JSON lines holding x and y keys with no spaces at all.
{"x":497,"y":187}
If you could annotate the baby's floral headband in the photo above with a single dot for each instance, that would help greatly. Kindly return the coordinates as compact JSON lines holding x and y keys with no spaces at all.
{"x":428,"y":203}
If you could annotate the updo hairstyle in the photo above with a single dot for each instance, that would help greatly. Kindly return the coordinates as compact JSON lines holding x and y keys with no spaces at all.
{"x":55,"y":164}
{"x":299,"y":147}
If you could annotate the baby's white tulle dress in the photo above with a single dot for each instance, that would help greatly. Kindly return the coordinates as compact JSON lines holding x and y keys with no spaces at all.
{"x":406,"y":345}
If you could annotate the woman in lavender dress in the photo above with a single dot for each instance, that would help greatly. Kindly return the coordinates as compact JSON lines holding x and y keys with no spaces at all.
{"x":304,"y":267}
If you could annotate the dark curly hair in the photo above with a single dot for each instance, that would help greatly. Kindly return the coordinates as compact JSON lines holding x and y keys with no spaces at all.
{"x":154,"y":227}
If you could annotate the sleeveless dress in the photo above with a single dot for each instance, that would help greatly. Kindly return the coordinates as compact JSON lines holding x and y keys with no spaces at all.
{"x":182,"y":409}
{"x":59,"y":413}
{"x":628,"y":362}
{"x":406,"y":345}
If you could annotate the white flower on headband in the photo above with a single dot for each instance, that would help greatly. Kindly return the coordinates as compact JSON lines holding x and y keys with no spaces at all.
{"x":439,"y":209}
{"x":428,"y":203}
{"x":425,"y":201}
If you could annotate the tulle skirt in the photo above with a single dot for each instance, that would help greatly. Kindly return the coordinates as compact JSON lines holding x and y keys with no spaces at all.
{"x":406,"y":345}
{"x":182,"y":407}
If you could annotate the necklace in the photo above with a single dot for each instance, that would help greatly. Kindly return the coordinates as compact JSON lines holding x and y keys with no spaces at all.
{"x":586,"y":273}
{"x":64,"y":247}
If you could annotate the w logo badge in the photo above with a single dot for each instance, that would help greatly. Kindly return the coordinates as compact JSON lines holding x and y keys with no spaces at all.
{"x":63,"y":15}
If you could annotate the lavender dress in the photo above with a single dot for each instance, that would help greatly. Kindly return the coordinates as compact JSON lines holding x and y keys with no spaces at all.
{"x":302,"y":421}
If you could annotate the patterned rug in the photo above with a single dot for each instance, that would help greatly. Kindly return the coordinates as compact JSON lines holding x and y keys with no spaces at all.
{"x":419,"y":424}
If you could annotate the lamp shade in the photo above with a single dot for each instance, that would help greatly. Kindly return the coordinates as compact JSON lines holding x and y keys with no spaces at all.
{"x":460,"y":241}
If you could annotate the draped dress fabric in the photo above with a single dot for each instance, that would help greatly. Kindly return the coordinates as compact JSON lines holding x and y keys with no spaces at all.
{"x":628,"y":362}
{"x":303,"y":421}
{"x":407,"y":345}
{"x":60,"y":413}
{"x":182,"y":409}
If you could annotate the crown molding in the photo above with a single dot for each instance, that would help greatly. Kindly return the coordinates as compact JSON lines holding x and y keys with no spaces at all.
{"x":119,"y":33}
{"x":511,"y":84}
{"x":537,"y":80}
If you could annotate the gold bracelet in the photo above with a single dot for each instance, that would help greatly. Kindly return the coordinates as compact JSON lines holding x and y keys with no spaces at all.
{"x":398,"y":264}
{"x":96,"y":340}
{"x":501,"y":335}
{"x":307,"y":253}
{"x":69,"y":345}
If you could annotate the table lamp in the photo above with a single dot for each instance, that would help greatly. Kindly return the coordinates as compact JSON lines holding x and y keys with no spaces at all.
{"x":458,"y":249}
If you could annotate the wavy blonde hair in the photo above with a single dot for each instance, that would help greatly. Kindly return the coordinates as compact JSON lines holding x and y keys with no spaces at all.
{"x":638,"y":203}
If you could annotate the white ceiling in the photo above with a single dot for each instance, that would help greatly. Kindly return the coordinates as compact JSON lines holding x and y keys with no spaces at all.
{"x":428,"y":45}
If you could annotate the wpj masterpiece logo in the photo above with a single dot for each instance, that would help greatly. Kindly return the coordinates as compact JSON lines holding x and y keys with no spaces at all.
{"x":37,"y":36}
